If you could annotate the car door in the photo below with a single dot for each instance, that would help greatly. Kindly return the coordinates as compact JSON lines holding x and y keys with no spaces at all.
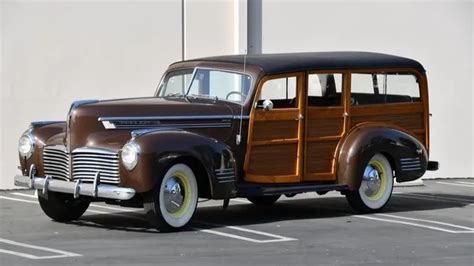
{"x":275,"y":146}
{"x":325,"y":123}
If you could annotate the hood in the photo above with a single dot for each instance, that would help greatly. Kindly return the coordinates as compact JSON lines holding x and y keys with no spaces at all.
{"x":120,"y":117}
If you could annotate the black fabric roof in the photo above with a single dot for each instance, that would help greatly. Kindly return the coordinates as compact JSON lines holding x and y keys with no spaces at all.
{"x":292,"y":62}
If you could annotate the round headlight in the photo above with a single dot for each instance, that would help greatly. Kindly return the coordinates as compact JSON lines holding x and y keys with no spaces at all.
{"x":26,"y":145}
{"x":129,"y":155}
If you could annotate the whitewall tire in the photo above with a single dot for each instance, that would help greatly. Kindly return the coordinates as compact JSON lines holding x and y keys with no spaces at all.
{"x":174,"y":199}
{"x":376,"y":187}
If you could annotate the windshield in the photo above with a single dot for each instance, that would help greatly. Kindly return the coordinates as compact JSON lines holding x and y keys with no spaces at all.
{"x":208,"y":83}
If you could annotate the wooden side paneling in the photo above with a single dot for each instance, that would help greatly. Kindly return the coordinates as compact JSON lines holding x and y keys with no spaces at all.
{"x":273,"y":160}
{"x":320,"y":156}
{"x":412,"y":121}
{"x":408,"y":116}
{"x":268,"y":130}
{"x":324,"y":127}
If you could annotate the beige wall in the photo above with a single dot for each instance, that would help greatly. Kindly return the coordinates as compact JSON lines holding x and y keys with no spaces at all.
{"x":439,"y":35}
{"x":60,"y":51}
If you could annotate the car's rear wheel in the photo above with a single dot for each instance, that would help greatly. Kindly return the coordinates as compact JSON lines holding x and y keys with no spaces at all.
{"x":264,"y":201}
{"x":62,"y":207}
{"x":173,"y":202}
{"x":376,"y":186}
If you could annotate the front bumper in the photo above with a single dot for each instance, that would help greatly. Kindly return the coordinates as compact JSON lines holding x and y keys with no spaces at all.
{"x":77,"y":188}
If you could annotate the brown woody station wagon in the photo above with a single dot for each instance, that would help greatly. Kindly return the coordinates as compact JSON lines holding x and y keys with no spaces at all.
{"x":256,"y":126}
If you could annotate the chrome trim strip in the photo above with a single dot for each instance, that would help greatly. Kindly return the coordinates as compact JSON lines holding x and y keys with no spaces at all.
{"x":44,"y":123}
{"x":140,"y":132}
{"x":226,"y":181}
{"x":224,"y":175}
{"x":409,"y":159}
{"x":171,"y":126}
{"x":94,"y":150}
{"x":181,"y":117}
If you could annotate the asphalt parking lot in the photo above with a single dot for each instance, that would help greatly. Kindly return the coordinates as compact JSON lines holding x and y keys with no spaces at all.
{"x":428,"y":225}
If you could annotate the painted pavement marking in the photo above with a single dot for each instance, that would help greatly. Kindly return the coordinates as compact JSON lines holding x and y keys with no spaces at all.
{"x":60,"y":253}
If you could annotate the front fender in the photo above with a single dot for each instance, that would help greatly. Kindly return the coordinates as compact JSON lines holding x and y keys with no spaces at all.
{"x":160,"y":148}
{"x":406,"y":154}
{"x":43,"y":133}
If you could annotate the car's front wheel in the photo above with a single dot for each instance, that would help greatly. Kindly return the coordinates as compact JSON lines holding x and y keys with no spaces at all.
{"x":173,"y":202}
{"x":62,"y":207}
{"x":376,"y":186}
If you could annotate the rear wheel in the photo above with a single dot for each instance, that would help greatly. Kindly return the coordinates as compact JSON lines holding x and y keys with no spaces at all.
{"x":264,"y":201}
{"x":376,"y":186}
{"x":62,"y":207}
{"x":173,"y":202}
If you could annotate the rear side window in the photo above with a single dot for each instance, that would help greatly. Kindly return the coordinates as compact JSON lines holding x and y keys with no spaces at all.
{"x":384,"y":88}
{"x":324,"y":89}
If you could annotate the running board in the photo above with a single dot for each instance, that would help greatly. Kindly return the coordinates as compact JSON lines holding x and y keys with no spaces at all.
{"x":261,"y":189}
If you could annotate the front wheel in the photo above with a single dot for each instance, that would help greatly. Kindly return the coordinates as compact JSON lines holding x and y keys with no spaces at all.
{"x":62,"y":207}
{"x":173,"y":202}
{"x":376,"y":186}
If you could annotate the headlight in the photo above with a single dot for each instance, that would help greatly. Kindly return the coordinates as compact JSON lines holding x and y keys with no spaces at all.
{"x":129,"y":155}
{"x":26,"y":145}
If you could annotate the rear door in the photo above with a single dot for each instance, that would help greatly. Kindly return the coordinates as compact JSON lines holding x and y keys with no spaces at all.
{"x":326,"y":120}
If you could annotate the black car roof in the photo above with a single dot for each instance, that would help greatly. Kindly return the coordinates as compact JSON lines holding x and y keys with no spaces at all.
{"x":292,"y":62}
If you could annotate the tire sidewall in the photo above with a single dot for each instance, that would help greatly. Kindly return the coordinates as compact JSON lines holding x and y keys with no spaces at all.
{"x":189,"y":212}
{"x":383,"y":200}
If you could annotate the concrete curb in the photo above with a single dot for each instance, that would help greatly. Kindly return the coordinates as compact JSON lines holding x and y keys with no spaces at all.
{"x":415,"y":183}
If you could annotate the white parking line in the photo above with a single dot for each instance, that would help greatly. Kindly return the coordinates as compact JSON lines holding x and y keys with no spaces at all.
{"x":436,"y":228}
{"x":16,"y":199}
{"x":436,"y":198}
{"x":467,"y":183}
{"x":454,"y":184}
{"x":276,"y":238}
{"x":35,"y":202}
{"x":61,"y":253}
{"x":427,"y":221}
{"x":92,"y":205}
{"x":433,"y":196}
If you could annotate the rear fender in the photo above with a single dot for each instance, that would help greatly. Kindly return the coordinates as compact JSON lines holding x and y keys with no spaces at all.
{"x":407,"y":156}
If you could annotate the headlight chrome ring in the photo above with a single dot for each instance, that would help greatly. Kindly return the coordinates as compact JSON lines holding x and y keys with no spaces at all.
{"x":129,"y":155}
{"x":26,"y":145}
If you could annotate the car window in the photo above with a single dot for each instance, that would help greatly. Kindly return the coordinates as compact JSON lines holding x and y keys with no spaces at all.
{"x":373,"y":88}
{"x":175,"y":83}
{"x":281,"y":91}
{"x":220,"y":84}
{"x":324,"y":89}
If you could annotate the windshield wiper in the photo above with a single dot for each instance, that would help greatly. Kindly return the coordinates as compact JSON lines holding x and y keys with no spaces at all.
{"x":201,"y":96}
{"x":175,"y":95}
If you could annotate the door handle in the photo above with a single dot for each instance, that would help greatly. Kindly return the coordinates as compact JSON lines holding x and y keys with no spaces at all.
{"x":300,"y":117}
{"x":345,"y":114}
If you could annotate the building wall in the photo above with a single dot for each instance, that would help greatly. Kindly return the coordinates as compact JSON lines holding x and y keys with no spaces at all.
{"x":438,"y":34}
{"x":61,"y":51}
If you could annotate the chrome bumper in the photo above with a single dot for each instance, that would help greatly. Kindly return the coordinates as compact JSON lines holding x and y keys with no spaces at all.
{"x":77,"y":188}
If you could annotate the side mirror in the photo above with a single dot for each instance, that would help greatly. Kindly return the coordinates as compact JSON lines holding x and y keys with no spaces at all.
{"x":267,"y":105}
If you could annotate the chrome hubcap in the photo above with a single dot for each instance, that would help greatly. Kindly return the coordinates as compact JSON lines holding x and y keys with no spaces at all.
{"x":371,"y":181}
{"x":173,"y":195}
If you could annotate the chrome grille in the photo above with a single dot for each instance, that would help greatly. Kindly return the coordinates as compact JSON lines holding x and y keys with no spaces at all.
{"x":56,"y":162}
{"x":86,"y":162}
